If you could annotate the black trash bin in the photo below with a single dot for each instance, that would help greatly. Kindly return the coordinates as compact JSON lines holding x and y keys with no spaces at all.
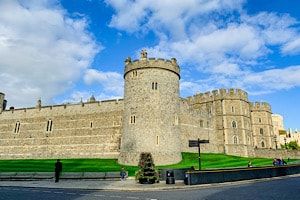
{"x":170,"y":179}
{"x":185,"y":178}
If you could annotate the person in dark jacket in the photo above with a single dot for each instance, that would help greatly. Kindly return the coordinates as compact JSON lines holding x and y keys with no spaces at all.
{"x":58,"y":169}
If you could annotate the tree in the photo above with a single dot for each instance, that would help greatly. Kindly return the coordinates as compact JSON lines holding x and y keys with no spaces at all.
{"x":147,"y":172}
{"x":293,"y":145}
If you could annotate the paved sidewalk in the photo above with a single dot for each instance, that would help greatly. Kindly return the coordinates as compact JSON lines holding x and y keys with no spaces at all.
{"x":128,"y":185}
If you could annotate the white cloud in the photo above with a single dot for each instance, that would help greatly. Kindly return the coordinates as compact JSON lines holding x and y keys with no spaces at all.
{"x":292,"y":47}
{"x":168,"y":15}
{"x":112,"y":82}
{"x":276,"y":78}
{"x":218,"y":39}
{"x":108,"y":85}
{"x":42,"y":50}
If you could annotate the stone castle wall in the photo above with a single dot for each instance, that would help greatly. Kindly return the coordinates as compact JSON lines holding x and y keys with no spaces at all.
{"x":85,"y":130}
{"x":273,"y":153}
{"x":194,"y":125}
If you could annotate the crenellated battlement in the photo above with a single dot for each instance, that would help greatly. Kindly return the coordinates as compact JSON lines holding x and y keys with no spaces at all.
{"x":232,"y":94}
{"x":144,"y":62}
{"x":260,"y":106}
{"x":80,"y":107}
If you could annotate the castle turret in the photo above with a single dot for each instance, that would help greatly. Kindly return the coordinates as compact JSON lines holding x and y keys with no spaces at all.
{"x":2,"y":102}
{"x":262,"y":125}
{"x":151,"y":111}
{"x":39,"y":104}
{"x":231,"y":120}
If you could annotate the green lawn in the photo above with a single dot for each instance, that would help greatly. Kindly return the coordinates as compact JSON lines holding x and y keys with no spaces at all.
{"x":104,"y":165}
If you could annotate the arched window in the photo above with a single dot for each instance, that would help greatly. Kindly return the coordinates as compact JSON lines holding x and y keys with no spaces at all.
{"x":232,"y":109}
{"x":134,"y":73}
{"x":201,"y":123}
{"x":235,"y":140}
{"x":154,"y":85}
{"x":132,"y":119}
{"x":233,"y":124}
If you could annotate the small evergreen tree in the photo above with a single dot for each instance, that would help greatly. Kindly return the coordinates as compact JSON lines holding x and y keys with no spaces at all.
{"x":147,"y":172}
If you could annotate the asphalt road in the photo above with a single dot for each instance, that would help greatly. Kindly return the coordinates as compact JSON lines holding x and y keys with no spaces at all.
{"x":283,"y":188}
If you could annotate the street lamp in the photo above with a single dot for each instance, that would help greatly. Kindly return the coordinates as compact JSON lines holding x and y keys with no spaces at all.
{"x":275,"y":137}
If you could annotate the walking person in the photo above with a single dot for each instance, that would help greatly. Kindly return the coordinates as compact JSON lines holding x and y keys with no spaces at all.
{"x":58,"y":169}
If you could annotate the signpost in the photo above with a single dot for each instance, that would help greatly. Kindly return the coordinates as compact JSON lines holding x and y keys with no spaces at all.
{"x":196,"y":143}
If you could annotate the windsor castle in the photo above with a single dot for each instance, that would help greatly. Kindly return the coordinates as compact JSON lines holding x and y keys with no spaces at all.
{"x":152,"y":117}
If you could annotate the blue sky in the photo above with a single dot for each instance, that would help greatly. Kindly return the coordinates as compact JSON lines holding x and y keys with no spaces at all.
{"x":64,"y":51}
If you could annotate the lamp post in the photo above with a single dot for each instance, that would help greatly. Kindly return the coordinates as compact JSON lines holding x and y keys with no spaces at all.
{"x":285,"y":143}
{"x":275,"y":137}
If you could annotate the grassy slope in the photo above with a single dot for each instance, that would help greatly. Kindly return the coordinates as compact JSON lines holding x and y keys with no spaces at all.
{"x":103,"y":165}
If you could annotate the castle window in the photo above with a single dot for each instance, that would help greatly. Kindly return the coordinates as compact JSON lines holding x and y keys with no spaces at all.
{"x":232,"y":109}
{"x":157,"y":139}
{"x":132,"y":119}
{"x":262,"y":144}
{"x":49,"y":125}
{"x":154,"y":85}
{"x":201,"y":123}
{"x":176,"y":120}
{"x":91,"y":124}
{"x":17,"y":127}
{"x":235,"y":140}
{"x":134,"y":73}
{"x":261,"y":131}
{"x":259,"y":120}
{"x":233,"y":124}
{"x":210,"y":110}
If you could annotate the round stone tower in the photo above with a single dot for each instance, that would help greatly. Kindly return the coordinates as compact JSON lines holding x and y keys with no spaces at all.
{"x":151,"y":111}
